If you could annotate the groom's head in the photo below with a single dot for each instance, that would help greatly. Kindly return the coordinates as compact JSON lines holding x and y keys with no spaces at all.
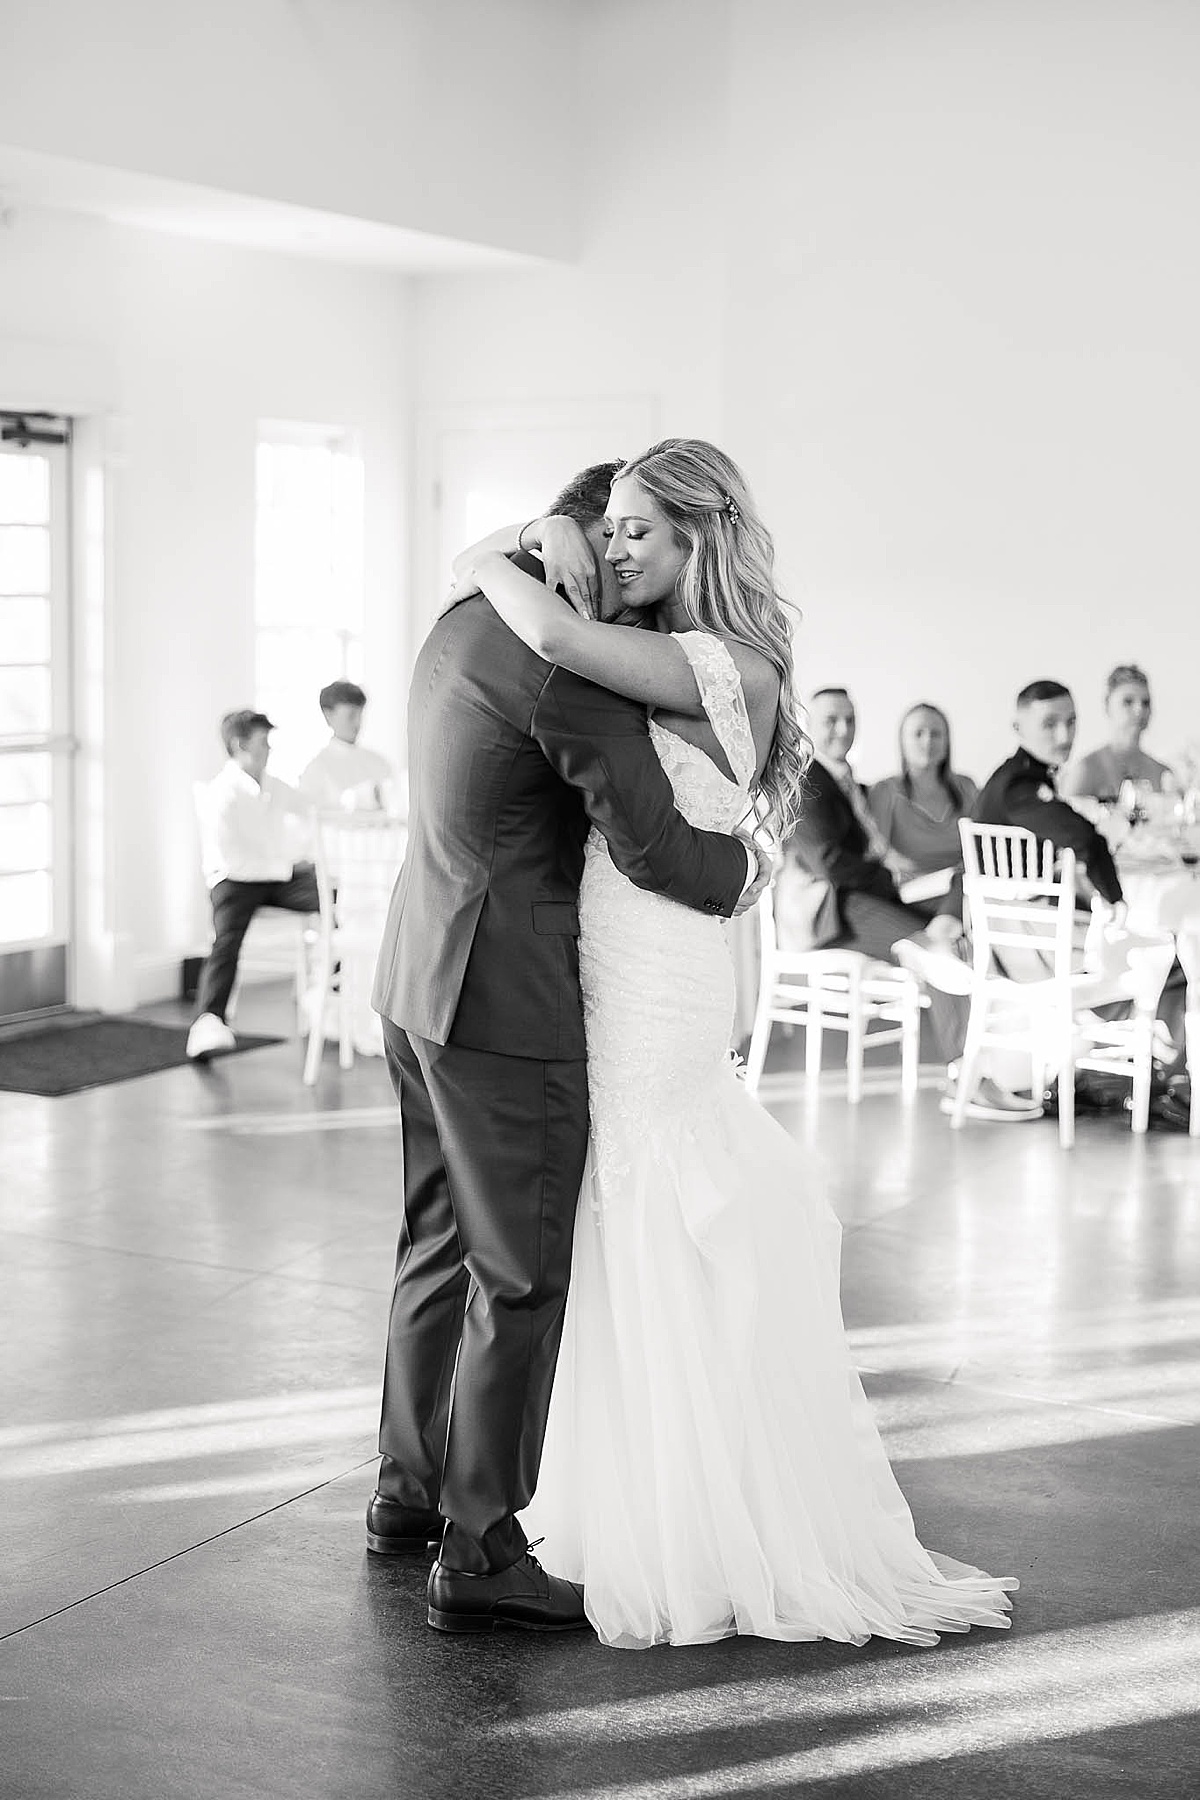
{"x":585,"y":499}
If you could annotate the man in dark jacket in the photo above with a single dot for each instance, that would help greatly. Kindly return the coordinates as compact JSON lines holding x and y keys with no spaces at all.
{"x":1022,"y":792}
{"x":836,"y":841}
{"x":510,"y":760}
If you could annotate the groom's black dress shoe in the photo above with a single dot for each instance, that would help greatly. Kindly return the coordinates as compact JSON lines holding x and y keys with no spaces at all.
{"x":522,"y":1597}
{"x":395,"y":1530}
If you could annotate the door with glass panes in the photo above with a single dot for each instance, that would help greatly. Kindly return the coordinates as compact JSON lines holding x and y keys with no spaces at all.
{"x":36,"y":742}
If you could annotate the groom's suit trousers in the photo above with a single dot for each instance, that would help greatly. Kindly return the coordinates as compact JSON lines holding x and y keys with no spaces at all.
{"x":493,"y":1149}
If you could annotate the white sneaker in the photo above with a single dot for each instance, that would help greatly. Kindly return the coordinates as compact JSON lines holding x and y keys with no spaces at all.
{"x":208,"y":1036}
{"x":943,"y":969}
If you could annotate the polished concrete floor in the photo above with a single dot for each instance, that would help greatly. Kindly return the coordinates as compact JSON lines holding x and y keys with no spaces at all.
{"x":196,"y":1268}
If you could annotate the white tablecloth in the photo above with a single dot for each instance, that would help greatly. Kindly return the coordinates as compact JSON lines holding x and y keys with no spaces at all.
{"x":1166,"y":897}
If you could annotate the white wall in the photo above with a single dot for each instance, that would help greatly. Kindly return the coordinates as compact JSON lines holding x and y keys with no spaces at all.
{"x":447,"y":116}
{"x":641,"y":311}
{"x":931,"y":273}
{"x":966,"y":375}
{"x":179,"y":349}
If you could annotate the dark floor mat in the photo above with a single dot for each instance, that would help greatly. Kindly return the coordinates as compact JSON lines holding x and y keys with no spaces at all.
{"x":79,"y":1053}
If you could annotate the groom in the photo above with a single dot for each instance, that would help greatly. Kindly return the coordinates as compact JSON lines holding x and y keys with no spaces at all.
{"x":478,"y":984}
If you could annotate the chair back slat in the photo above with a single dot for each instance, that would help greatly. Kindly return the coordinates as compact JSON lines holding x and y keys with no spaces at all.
{"x":1021,"y":895}
{"x":358,"y":861}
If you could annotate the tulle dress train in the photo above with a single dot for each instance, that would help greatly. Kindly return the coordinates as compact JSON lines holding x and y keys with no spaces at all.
{"x":711,"y":1464}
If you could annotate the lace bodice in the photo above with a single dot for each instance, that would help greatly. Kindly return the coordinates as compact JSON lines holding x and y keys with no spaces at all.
{"x":656,"y":976}
{"x":704,"y":795}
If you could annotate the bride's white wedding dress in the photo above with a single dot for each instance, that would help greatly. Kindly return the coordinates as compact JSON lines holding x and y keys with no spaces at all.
{"x":711,"y":1464}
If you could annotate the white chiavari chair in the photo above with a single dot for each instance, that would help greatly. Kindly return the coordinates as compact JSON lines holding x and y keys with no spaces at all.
{"x":1020,"y":895}
{"x":874,"y":1003}
{"x":358,"y":857}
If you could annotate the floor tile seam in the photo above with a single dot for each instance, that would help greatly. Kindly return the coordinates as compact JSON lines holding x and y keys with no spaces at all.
{"x":980,"y":1387}
{"x":176,"y":1555}
{"x":300,"y":1281}
{"x":185,"y":1262}
{"x":274,"y":1272}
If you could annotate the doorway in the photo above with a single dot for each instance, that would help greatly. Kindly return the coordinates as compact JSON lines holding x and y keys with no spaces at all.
{"x":37,"y":744}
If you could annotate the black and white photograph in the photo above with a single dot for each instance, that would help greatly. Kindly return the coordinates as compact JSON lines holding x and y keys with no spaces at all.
{"x":599,"y":899}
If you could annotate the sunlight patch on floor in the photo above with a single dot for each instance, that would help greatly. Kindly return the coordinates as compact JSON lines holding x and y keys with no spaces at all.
{"x":182,"y":1434}
{"x":992,"y":1698}
{"x":347,"y":1118}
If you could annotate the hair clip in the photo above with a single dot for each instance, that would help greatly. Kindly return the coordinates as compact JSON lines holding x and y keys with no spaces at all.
{"x":733,"y":509}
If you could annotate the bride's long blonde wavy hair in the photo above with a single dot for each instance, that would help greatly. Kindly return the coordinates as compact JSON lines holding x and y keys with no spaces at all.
{"x":728,"y":586}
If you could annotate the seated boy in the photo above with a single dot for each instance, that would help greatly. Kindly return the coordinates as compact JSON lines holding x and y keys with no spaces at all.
{"x":344,"y":768}
{"x":248,"y":837}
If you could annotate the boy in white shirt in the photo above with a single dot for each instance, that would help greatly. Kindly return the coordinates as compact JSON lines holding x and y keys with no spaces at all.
{"x":248,"y":834}
{"x":344,"y":768}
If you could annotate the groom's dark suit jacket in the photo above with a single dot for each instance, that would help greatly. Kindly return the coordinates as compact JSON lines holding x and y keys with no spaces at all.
{"x":509,"y":758}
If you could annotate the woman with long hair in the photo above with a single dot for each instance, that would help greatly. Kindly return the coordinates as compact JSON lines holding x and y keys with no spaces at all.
{"x":918,"y":810}
{"x":711,"y":1466}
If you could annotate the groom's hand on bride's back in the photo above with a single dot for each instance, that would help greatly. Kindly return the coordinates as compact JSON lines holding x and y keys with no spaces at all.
{"x":765,"y":860}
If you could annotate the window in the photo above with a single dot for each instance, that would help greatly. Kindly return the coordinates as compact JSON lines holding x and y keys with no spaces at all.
{"x":308,"y":585}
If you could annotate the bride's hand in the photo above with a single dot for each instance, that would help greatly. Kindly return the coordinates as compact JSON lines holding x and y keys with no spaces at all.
{"x":464,"y":589}
{"x":570,"y":561}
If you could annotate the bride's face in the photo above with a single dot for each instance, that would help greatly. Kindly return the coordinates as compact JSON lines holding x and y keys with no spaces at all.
{"x":642,"y":551}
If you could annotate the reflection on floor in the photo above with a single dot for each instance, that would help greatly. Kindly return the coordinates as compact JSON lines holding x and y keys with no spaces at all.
{"x":196,"y":1274}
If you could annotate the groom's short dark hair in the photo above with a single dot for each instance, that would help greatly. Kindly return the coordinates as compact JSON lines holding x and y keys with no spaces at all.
{"x":585,"y":497}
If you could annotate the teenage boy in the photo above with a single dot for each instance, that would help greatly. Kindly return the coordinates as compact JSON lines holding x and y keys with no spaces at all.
{"x":344,"y":767}
{"x":248,"y":836}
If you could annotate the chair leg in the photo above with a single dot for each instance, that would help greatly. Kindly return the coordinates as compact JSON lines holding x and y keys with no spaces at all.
{"x":760,"y":1038}
{"x":855,"y":1034}
{"x":323,"y":964}
{"x":1192,"y":1043}
{"x":300,"y":973}
{"x":814,"y":1039}
{"x":910,"y":1044}
{"x":1143,"y":1064}
{"x":968,"y":1071}
{"x":346,"y":1012}
{"x":1066,"y":1089}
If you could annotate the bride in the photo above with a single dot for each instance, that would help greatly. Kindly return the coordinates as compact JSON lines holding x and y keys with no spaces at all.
{"x":711,"y":1465}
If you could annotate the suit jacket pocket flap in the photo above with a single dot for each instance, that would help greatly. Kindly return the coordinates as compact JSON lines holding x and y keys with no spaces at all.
{"x":555,"y":918}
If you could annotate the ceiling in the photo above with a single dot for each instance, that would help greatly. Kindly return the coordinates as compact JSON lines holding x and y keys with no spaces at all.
{"x":31,"y":179}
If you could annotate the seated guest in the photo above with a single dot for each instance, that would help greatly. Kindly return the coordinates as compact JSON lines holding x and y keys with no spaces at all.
{"x":248,"y":837}
{"x":344,"y":773}
{"x":838,"y":843}
{"x":918,"y":810}
{"x":1022,"y":792}
{"x":837,"y":890}
{"x":1099,"y":774}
